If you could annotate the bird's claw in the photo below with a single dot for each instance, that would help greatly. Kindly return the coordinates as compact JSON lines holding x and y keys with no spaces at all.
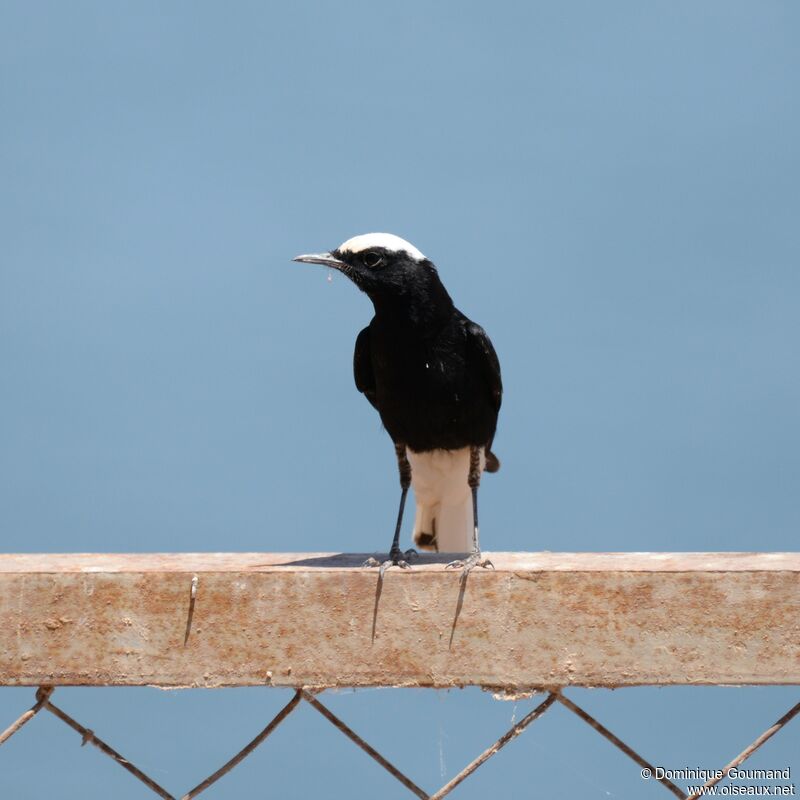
{"x":397,"y":558}
{"x":390,"y":563}
{"x":466,"y":565}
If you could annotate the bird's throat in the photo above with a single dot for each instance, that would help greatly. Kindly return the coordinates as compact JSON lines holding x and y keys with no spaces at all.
{"x":421,"y":305}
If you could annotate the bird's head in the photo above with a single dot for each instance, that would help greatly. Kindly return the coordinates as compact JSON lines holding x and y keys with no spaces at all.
{"x":381,"y":264}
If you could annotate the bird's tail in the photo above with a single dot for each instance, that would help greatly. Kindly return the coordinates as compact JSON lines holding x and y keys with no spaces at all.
{"x":443,"y":520}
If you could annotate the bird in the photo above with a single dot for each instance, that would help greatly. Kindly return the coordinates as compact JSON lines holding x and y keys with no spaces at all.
{"x":434,"y":378}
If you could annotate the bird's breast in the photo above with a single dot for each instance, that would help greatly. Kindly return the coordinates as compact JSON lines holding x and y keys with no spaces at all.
{"x":425,"y":394}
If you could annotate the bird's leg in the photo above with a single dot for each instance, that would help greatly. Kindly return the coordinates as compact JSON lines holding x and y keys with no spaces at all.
{"x":397,"y":558}
{"x":474,"y":480}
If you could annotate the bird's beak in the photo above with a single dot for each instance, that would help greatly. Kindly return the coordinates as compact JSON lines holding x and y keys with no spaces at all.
{"x":326,"y":259}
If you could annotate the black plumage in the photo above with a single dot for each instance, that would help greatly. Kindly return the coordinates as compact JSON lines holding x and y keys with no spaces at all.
{"x":430,"y":372}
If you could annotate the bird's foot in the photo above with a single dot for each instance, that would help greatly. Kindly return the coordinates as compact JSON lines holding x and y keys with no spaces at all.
{"x":466,"y":565}
{"x":397,"y":558}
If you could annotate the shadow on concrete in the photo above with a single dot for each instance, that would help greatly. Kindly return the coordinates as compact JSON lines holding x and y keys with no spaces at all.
{"x":356,"y":560}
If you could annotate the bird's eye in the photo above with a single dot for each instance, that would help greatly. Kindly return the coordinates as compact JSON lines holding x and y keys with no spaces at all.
{"x":372,"y":258}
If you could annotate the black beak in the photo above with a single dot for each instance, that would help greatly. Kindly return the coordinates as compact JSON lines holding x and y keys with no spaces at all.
{"x":326,"y":259}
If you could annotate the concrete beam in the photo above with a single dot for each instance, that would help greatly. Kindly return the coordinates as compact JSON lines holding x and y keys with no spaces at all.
{"x":537,"y":620}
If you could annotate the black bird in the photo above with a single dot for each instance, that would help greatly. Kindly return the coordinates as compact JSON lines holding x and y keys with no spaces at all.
{"x":434,"y":378}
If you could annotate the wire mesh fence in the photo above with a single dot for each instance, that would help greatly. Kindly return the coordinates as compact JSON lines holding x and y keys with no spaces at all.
{"x":541,"y":705}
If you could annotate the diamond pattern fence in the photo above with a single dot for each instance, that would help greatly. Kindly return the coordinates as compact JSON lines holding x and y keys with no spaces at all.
{"x":44,"y":702}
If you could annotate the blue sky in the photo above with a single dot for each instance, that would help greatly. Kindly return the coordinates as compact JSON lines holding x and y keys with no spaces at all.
{"x":611,"y":189}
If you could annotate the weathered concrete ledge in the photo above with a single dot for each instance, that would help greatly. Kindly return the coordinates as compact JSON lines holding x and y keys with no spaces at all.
{"x":537,"y":620}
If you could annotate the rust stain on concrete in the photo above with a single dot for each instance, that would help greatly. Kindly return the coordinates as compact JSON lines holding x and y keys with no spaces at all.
{"x":538,"y":619}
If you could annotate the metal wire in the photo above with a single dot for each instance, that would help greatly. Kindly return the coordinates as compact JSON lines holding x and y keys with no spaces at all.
{"x":247,"y":749}
{"x":43,"y":702}
{"x":750,"y":749}
{"x":352,"y":735}
{"x":515,"y":731}
{"x":617,"y":742}
{"x":89,"y":736}
{"x":42,"y":695}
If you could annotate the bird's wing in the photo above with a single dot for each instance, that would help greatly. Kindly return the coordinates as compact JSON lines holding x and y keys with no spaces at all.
{"x":362,"y":366}
{"x":483,"y":359}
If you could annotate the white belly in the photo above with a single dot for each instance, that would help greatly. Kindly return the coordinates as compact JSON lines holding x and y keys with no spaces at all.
{"x":444,"y":499}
